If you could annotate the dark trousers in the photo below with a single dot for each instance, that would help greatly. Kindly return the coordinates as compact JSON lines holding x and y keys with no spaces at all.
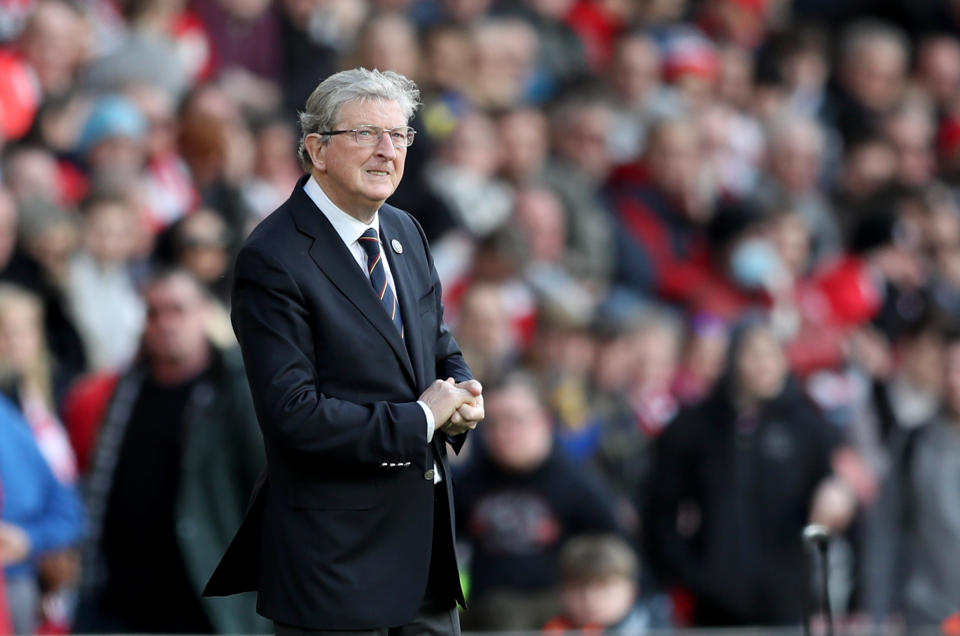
{"x":424,"y":624}
{"x":437,"y":615}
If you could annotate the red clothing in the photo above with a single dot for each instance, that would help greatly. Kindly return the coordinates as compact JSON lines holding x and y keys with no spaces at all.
{"x":598,"y":28}
{"x":661,"y":250}
{"x":563,"y":625}
{"x":84,"y":410}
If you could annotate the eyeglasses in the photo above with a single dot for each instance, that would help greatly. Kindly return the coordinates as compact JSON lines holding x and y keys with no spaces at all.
{"x":401,"y":136}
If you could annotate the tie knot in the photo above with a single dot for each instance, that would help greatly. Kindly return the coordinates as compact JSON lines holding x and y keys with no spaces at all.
{"x":370,"y":241}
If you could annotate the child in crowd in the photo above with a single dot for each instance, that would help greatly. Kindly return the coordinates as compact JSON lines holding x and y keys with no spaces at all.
{"x":600,"y":591}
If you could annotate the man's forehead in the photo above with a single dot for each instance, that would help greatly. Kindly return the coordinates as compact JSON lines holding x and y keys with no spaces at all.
{"x":365,"y":108}
{"x":177,"y":288}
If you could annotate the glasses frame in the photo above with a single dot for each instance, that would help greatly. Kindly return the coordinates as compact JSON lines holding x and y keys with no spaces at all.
{"x":410,"y":130}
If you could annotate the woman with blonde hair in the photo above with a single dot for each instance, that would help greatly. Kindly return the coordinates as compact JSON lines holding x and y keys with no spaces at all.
{"x":29,"y":377}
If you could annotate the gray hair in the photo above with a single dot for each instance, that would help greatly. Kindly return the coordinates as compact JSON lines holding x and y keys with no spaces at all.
{"x":357,"y":84}
{"x":781,"y":131}
{"x":867,"y":32}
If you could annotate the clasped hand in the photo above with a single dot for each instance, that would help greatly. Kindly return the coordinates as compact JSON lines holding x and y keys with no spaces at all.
{"x":457,"y":406}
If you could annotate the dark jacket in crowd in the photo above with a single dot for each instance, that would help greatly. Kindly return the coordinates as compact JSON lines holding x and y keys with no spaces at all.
{"x":220,"y":458}
{"x":727,"y":500}
{"x":517,"y":523}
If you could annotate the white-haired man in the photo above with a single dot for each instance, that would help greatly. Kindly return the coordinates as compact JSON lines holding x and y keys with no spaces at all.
{"x":357,"y":383}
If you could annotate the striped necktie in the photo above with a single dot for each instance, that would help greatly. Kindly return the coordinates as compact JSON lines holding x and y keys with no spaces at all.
{"x":370,"y":241}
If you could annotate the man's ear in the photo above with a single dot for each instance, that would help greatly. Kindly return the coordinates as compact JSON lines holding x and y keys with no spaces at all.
{"x":317,"y":151}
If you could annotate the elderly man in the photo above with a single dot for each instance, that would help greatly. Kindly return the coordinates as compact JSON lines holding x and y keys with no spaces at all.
{"x":357,"y":383}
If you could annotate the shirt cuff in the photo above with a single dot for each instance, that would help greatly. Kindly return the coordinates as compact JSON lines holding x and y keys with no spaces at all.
{"x":431,"y":423}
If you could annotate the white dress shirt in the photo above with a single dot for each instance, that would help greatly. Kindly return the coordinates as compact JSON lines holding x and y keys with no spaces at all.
{"x":350,"y":229}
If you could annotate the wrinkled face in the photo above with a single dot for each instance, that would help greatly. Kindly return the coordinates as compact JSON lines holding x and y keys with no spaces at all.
{"x":358,"y":179}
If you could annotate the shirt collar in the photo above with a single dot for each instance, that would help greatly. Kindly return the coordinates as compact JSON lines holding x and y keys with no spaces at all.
{"x":349,"y":228}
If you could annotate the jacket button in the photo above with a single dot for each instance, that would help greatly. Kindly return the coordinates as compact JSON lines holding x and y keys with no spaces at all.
{"x":428,"y":475}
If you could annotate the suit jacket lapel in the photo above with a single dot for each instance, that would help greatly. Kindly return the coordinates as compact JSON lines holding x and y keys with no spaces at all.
{"x":337,"y":263}
{"x":403,"y":276}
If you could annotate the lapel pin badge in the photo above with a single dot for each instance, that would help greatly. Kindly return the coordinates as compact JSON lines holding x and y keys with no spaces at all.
{"x":395,"y":244}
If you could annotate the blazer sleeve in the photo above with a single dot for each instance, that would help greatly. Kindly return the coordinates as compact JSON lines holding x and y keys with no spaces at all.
{"x":271,"y":320}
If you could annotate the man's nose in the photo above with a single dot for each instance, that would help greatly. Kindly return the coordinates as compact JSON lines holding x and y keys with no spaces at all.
{"x":385,"y":145}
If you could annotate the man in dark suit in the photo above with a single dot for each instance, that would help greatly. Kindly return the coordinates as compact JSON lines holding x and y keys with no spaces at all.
{"x":357,"y":383}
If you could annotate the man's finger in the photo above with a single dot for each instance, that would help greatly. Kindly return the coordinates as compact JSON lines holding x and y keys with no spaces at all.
{"x":471,"y":412}
{"x":457,"y":429}
{"x":473,"y":386}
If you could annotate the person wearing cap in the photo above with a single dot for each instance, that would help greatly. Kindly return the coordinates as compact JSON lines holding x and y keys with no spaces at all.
{"x":113,"y":138}
{"x":358,"y":386}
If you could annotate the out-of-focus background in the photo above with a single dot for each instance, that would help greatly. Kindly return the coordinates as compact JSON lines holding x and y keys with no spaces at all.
{"x":704,"y":256}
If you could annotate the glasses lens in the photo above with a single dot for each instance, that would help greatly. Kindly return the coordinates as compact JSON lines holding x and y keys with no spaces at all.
{"x":368,"y":135}
{"x":400,"y":137}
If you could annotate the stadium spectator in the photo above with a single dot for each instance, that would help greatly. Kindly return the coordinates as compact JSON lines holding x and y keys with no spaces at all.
{"x":102,"y":297}
{"x":465,"y":176}
{"x":796,"y":149}
{"x":53,"y":44}
{"x":518,"y":502}
{"x":734,"y":481}
{"x":660,"y":211}
{"x":39,"y":515}
{"x":639,"y":96}
{"x":177,"y":451}
{"x":485,"y":333}
{"x":871,"y":73}
{"x":938,"y":70}
{"x":600,"y":591}
{"x":31,"y":379}
{"x":916,"y":532}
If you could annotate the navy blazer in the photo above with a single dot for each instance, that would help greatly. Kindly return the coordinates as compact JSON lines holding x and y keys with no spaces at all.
{"x":338,"y":534}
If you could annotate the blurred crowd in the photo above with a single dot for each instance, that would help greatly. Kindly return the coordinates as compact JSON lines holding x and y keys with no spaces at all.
{"x":704,"y":255}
